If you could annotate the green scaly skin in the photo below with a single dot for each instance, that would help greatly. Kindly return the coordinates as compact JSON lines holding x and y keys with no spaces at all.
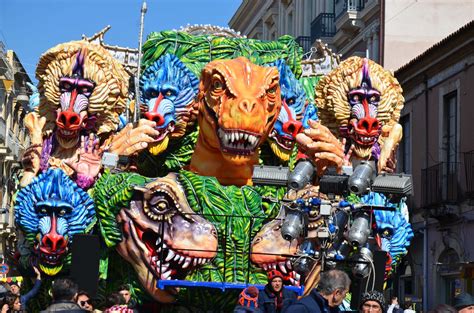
{"x":197,"y":51}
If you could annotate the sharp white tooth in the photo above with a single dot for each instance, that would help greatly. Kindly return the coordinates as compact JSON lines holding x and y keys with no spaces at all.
{"x":158,"y":250}
{"x":195,"y":262}
{"x":164,"y":245}
{"x":288,"y":264}
{"x":176,"y":258}
{"x":293,"y":282}
{"x":203,"y":260}
{"x":165,"y":267}
{"x":158,"y":240}
{"x":253,"y":139}
{"x":246,"y":137}
{"x":265,"y":266}
{"x":181,"y":260}
{"x":170,"y":255}
{"x":154,"y":258}
{"x":165,"y":275}
{"x":297,"y":276}
{"x":187,"y":262}
{"x":158,"y":264}
{"x":282,"y":268}
{"x":274,"y":266}
{"x":169,"y":278}
{"x":232,"y":136}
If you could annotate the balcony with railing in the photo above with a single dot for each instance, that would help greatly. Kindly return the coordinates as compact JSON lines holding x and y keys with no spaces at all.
{"x":323,"y":26}
{"x":348,"y":6}
{"x":305,"y":42}
{"x":469,"y":171}
{"x":440,"y":184}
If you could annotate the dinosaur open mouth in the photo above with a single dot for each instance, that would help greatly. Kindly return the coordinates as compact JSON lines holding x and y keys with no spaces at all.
{"x":285,"y":142}
{"x":238,"y":141}
{"x":163,"y":261}
{"x":234,"y":141}
{"x":286,"y":269}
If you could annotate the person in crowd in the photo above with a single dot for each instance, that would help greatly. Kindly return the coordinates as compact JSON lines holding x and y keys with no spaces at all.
{"x":85,"y":302}
{"x":64,"y":292}
{"x":464,"y":303}
{"x":332,"y":289}
{"x":443,"y":308}
{"x":248,"y":301}
{"x":124,"y":290}
{"x":275,"y":297}
{"x":13,"y":302}
{"x":394,"y":306}
{"x":116,"y":304}
{"x":15,"y":289}
{"x":408,"y":307}
{"x":372,"y":301}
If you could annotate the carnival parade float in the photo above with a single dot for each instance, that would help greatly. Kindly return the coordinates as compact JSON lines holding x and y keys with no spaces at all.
{"x":244,"y":159}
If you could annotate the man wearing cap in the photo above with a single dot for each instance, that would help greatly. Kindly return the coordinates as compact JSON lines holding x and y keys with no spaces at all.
{"x":464,"y":303}
{"x":248,"y":301}
{"x":275,"y":298}
{"x":372,"y":301}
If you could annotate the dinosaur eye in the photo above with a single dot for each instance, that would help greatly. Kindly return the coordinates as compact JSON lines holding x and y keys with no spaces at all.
{"x":291,"y":101}
{"x":44,"y":211}
{"x":355,"y":98}
{"x":168,"y":93}
{"x":159,"y":205}
{"x":271,"y":91}
{"x":217,"y":85}
{"x":62,"y":212}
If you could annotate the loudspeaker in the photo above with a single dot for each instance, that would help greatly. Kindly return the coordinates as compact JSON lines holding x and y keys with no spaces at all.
{"x":85,"y":262}
{"x":358,"y":285}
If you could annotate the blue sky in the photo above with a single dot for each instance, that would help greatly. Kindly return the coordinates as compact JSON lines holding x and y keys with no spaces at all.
{"x":30,"y":27}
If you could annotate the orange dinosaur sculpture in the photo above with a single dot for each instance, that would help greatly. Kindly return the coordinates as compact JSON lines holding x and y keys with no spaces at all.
{"x":238,"y":104}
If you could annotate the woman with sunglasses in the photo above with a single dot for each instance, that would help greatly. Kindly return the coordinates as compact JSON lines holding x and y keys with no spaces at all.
{"x":85,"y":302}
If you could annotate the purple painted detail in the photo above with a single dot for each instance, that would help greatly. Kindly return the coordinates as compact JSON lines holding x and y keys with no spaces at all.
{"x":84,"y":181}
{"x":46,"y":153}
{"x":90,"y":122}
{"x":376,"y":151}
{"x":366,"y":75}
{"x":79,"y":66}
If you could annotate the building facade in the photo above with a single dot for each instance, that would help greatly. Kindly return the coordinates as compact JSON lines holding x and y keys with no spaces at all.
{"x":438,"y":150}
{"x":14,"y":97}
{"x":390,"y":32}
